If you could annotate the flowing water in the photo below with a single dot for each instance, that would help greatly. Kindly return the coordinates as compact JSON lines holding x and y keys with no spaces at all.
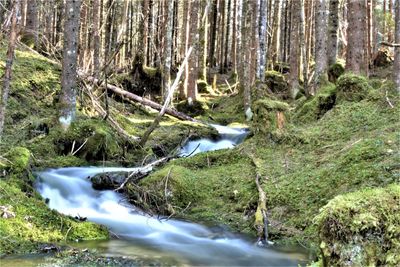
{"x":172,"y":242}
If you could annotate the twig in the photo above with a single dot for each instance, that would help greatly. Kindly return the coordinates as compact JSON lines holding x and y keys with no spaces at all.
{"x":352,"y":144}
{"x":79,"y":148}
{"x":388,"y":100}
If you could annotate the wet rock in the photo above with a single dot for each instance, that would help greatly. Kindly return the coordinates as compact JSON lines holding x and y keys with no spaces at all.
{"x":106,"y":181}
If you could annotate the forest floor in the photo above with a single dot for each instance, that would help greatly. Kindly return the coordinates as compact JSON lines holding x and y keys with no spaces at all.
{"x":324,"y":150}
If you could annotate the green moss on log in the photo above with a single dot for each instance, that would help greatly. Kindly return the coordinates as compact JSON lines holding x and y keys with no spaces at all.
{"x":362,"y":228}
{"x":335,"y":71}
{"x":267,"y":115}
{"x":18,"y":159}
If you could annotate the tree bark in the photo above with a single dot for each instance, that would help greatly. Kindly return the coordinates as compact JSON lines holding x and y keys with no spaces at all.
{"x":193,"y":60}
{"x":96,"y":38}
{"x":168,"y":48}
{"x":333,"y":26}
{"x":69,"y":63}
{"x":262,"y":39}
{"x":396,"y":67}
{"x":355,"y":58}
{"x":303,"y":47}
{"x":10,"y":58}
{"x":321,"y":63}
{"x":294,"y":56}
{"x":32,"y":22}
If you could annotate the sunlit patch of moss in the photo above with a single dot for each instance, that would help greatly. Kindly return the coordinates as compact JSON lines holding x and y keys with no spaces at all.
{"x":18,"y":159}
{"x":214,"y":187}
{"x":361,"y":228}
{"x":317,"y":106}
{"x":35,"y":223}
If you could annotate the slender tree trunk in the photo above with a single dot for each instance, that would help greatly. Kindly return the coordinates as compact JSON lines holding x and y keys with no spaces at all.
{"x":294,"y":58}
{"x":234,"y":35}
{"x":321,"y":63}
{"x":203,"y":42}
{"x":96,"y":38}
{"x":396,"y":67}
{"x":168,"y":48}
{"x":262,"y":39}
{"x":193,"y":60}
{"x":355,"y":57}
{"x":10,"y":58}
{"x":333,"y":26}
{"x":226,"y":50}
{"x":303,"y":46}
{"x":69,"y":63}
{"x":276,"y":32}
{"x":222,"y":37}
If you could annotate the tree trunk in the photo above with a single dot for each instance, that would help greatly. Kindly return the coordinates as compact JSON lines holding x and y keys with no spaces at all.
{"x":32,"y":22}
{"x":193,"y":60}
{"x":167,"y":48}
{"x":396,"y":67}
{"x":294,"y":56}
{"x":355,"y":58}
{"x":234,"y":34}
{"x":213,"y":33}
{"x":96,"y":39}
{"x":333,"y":26}
{"x":321,"y":63}
{"x":69,"y":63}
{"x":303,"y":47}
{"x":10,"y":58}
{"x":262,"y":39}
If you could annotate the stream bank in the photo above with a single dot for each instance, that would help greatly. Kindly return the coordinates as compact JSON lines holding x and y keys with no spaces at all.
{"x":325,"y":149}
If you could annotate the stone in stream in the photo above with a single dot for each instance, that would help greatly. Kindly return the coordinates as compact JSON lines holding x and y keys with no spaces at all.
{"x":108,"y":180}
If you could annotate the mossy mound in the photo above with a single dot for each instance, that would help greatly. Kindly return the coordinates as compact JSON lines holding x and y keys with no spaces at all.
{"x":18,"y":159}
{"x":94,"y":137}
{"x":335,"y":71}
{"x":269,"y":115}
{"x":203,"y":87}
{"x":194,"y":109}
{"x":212,"y":187}
{"x":352,"y":87}
{"x":277,"y":83}
{"x":317,"y":106}
{"x":225,"y":110}
{"x":361,"y":228}
{"x":34,"y":223}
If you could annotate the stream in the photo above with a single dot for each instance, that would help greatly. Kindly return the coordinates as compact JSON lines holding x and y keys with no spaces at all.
{"x":172,"y":242}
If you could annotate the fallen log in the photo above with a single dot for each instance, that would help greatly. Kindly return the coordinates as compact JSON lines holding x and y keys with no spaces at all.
{"x":139,"y":99}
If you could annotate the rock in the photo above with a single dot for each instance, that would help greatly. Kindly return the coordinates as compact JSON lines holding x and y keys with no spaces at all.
{"x":110,"y":180}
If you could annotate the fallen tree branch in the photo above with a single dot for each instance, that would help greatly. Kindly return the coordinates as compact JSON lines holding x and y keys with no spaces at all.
{"x":139,"y":99}
{"x":261,"y":221}
{"x":389,"y":44}
{"x":388,"y":100}
{"x":142,"y":172}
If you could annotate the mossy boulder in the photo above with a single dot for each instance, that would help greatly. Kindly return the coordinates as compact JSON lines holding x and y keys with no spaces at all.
{"x":314,"y":108}
{"x":269,"y":115}
{"x":18,"y":159}
{"x":335,"y":71}
{"x":351,"y":87}
{"x":361,"y":228}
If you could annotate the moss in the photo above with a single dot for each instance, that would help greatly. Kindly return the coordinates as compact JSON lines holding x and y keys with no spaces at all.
{"x":35,"y":223}
{"x":18,"y":159}
{"x":361,"y":228}
{"x":269,"y":115}
{"x":335,"y":71}
{"x":203,"y":87}
{"x":277,"y":83}
{"x":203,"y":189}
{"x":317,"y":106}
{"x":352,"y":87}
{"x":150,"y":71}
{"x":94,"y":137}
{"x":194,"y":109}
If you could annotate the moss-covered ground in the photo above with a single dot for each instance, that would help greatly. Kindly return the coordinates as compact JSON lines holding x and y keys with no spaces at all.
{"x":343,"y":140}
